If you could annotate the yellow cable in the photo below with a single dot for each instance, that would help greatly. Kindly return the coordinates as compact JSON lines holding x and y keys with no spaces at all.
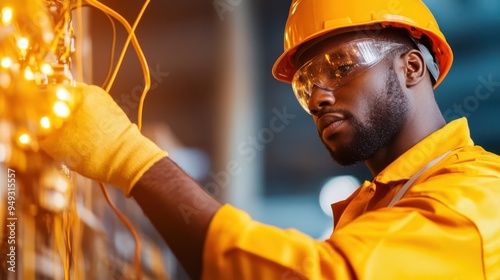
{"x":147,"y":84}
{"x":105,"y":9}
{"x":112,"y":54}
{"x":61,"y":222}
{"x":79,"y":54}
{"x":67,"y":257}
{"x":76,"y":237}
{"x":67,"y":240}
{"x":130,"y":227}
{"x":140,"y":54}
{"x":147,"y":78}
{"x":58,"y":30}
{"x":60,"y":242}
{"x":132,"y":37}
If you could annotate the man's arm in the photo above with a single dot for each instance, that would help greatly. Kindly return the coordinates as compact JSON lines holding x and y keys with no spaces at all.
{"x":101,"y":143}
{"x":179,"y":209}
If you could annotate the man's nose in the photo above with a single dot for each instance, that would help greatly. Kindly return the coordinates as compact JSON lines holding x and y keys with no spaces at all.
{"x":320,"y":98}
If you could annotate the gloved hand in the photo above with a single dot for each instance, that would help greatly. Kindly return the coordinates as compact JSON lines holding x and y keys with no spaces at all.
{"x":101,"y":143}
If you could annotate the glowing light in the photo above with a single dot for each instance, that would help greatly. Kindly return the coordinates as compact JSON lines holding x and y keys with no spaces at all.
{"x":336,"y":189}
{"x":28,"y":74}
{"x":48,"y":36}
{"x":63,"y":94}
{"x":61,"y":109}
{"x":6,"y":62}
{"x":53,"y":200}
{"x":45,"y":122}
{"x":24,"y":138}
{"x":58,"y":201}
{"x":23,"y":43}
{"x":54,"y":190}
{"x":6,"y":15}
{"x":61,"y":184}
{"x":47,"y":69}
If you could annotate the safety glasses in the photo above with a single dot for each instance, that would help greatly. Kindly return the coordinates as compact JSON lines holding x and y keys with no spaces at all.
{"x":338,"y":66}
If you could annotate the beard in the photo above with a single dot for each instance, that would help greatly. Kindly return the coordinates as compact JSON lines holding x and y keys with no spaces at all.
{"x":387,"y":115}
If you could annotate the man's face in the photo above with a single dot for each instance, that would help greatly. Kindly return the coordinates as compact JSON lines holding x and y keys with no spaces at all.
{"x":371,"y":127}
{"x":361,"y":117}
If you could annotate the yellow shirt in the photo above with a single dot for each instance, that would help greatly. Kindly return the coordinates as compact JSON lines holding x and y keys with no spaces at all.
{"x":446,"y":226}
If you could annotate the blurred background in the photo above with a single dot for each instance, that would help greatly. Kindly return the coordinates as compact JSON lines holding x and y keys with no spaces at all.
{"x":216,"y":108}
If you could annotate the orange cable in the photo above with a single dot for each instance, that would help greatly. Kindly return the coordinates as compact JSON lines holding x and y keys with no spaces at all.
{"x":112,"y":54}
{"x":79,"y":51}
{"x":147,"y":81}
{"x":130,"y":227}
{"x":135,"y":43}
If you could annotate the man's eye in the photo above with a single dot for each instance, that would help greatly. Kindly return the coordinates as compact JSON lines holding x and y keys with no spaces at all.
{"x":344,"y":69}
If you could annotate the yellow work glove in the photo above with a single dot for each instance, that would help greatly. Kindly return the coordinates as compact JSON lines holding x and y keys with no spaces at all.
{"x":101,"y":143}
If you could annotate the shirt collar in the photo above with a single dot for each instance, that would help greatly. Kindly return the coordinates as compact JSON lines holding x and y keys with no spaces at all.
{"x":451,"y":136}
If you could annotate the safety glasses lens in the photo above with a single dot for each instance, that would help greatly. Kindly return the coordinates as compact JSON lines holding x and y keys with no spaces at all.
{"x":338,"y":66}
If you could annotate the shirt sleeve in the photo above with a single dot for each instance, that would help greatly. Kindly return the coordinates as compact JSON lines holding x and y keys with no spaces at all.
{"x":419,"y":239}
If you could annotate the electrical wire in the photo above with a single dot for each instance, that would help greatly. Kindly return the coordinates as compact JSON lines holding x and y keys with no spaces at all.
{"x":108,"y":83}
{"x":112,"y":52}
{"x":60,"y":227}
{"x":79,"y":51}
{"x":59,"y":31}
{"x":131,"y":37}
{"x":76,"y":237}
{"x":130,"y":227}
{"x":65,"y":221}
{"x":147,"y":84}
{"x":147,"y":81}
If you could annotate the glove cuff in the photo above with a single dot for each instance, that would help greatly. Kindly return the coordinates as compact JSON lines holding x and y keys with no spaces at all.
{"x":132,"y":158}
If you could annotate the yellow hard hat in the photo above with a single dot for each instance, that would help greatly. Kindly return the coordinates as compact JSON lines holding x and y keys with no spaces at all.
{"x":311,"y":19}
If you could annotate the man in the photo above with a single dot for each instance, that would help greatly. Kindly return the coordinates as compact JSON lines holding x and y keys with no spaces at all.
{"x":365,"y":71}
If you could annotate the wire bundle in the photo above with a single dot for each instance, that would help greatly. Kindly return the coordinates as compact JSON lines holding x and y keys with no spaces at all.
{"x":37,"y":43}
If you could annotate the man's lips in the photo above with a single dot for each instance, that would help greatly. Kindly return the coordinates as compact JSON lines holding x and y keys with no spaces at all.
{"x":328,"y":123}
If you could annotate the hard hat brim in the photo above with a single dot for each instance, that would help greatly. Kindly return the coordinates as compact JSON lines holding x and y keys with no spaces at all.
{"x":284,"y":68}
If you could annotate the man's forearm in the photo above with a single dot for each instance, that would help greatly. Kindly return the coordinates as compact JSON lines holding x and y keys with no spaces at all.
{"x":180,"y":210}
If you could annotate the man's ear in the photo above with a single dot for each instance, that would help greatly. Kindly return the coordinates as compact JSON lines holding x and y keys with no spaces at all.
{"x":415,"y":68}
